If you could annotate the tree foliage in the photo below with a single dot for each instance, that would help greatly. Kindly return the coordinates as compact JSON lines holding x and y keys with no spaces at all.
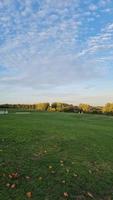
{"x":85,"y":108}
{"x":108,"y":108}
{"x":61,"y":107}
{"x":42,"y":106}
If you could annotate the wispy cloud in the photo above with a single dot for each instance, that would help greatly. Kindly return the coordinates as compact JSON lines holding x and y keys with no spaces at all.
{"x":53,"y":43}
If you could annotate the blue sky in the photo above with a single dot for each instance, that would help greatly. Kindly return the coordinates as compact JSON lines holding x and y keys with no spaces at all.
{"x":56,"y":50}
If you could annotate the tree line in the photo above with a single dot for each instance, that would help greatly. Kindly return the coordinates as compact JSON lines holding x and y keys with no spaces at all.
{"x":62,"y":107}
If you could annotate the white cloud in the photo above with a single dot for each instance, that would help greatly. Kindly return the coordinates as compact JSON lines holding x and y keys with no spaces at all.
{"x":44,"y":48}
{"x":93,"y":7}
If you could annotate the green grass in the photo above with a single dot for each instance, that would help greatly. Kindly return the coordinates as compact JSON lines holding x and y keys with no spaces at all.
{"x":31,"y":143}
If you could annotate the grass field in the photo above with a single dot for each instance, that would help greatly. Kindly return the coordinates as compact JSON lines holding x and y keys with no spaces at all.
{"x":56,"y":156}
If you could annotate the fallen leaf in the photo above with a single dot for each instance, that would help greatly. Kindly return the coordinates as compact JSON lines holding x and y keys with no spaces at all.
{"x":27,"y":177}
{"x":80,"y":197}
{"x":75,"y":175}
{"x":29,"y":194}
{"x":14,"y":175}
{"x":40,"y":178}
{"x":109,"y":198}
{"x":10,"y":176}
{"x":53,"y":172}
{"x":90,"y":195}
{"x":90,"y":172}
{"x":63,"y":181}
{"x":8,"y":184}
{"x":66,"y":194}
{"x":36,"y":154}
{"x":4,"y":175}
{"x":13,"y":186}
{"x":50,"y":167}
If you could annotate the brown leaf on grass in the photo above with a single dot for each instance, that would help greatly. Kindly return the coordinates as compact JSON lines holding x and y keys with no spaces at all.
{"x":50,"y":167}
{"x":1,"y":150}
{"x":67,"y":170}
{"x":27,"y":177}
{"x":36,"y":154}
{"x":63,"y":181}
{"x":8,"y":185}
{"x":10,"y":176}
{"x":90,"y":195}
{"x":80,"y":197}
{"x":53,"y":172}
{"x":15,"y":175}
{"x":90,"y":172}
{"x":13,"y":186}
{"x":75,"y":175}
{"x":109,"y":198}
{"x":29,"y":194}
{"x":4,"y":175}
{"x":66,"y":194}
{"x":40,"y":178}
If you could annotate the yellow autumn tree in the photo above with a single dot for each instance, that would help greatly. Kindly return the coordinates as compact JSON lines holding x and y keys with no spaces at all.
{"x":42,"y":106}
{"x":108,"y":108}
{"x":84,"y":107}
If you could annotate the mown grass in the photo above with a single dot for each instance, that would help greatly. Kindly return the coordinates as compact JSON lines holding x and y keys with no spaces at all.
{"x":56,"y":155}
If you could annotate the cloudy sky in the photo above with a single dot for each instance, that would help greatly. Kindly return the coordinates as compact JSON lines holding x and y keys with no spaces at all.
{"x":56,"y":50}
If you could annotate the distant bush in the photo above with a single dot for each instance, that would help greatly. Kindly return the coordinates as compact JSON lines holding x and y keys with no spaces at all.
{"x":58,"y":106}
{"x":68,"y":108}
{"x":96,"y":110}
{"x":50,"y":109}
{"x":62,"y":107}
{"x":76,"y":109}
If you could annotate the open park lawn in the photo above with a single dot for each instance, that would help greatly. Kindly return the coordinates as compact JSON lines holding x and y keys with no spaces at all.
{"x":56,"y":156}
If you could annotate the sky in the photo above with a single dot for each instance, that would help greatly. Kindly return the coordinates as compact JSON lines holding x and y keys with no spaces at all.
{"x":56,"y":50}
